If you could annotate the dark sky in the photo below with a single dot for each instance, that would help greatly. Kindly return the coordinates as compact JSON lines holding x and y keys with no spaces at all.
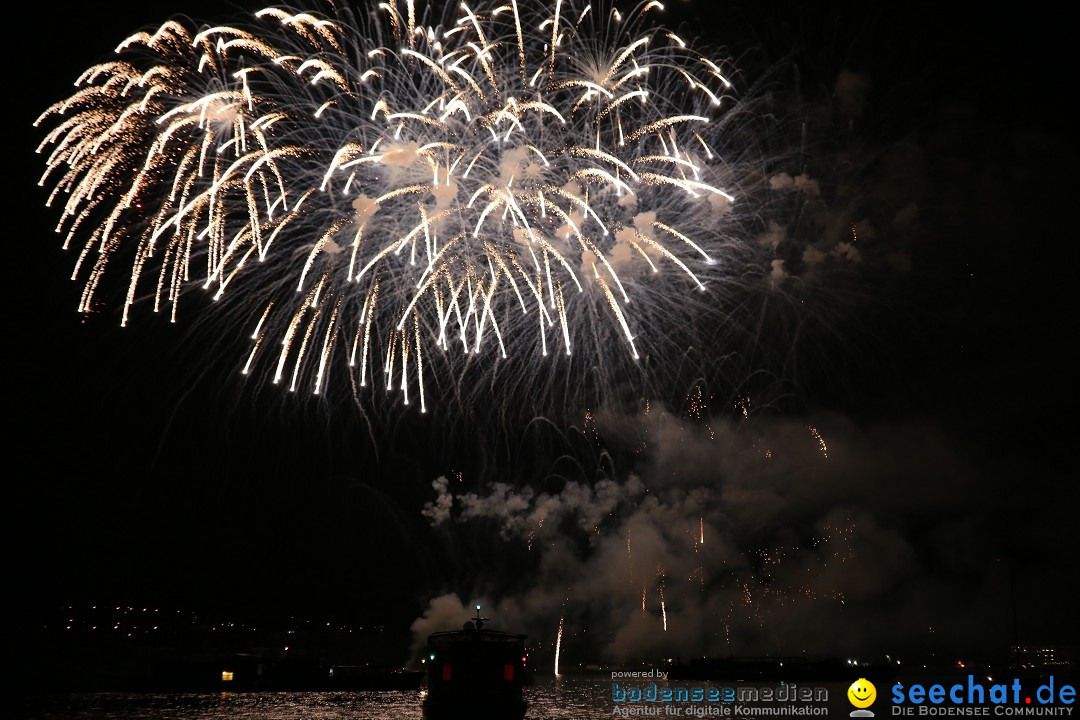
{"x":140,"y":472}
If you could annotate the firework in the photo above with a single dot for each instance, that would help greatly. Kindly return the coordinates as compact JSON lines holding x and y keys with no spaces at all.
{"x":413,"y":199}
{"x":558,"y":645}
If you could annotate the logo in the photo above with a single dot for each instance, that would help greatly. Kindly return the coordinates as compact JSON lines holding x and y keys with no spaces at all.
{"x":975,"y":698}
{"x":862,"y":694}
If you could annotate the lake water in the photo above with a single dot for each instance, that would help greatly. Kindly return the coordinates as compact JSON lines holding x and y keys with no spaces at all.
{"x":567,"y":698}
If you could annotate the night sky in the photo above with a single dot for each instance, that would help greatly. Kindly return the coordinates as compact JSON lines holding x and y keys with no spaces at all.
{"x":143,"y":470}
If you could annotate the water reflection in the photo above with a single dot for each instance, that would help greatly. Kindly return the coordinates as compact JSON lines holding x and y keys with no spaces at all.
{"x":573,"y":697}
{"x":568,"y":698}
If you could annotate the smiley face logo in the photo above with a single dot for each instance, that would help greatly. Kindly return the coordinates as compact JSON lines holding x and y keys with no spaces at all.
{"x":862,"y":693}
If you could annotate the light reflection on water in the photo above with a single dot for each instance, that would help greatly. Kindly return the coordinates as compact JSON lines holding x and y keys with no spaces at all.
{"x":568,"y":698}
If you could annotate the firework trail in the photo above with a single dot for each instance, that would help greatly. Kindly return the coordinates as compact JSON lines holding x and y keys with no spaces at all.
{"x":558,"y":645}
{"x":407,"y":200}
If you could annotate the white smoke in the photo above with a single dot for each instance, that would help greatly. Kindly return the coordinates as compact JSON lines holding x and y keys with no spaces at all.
{"x":755,"y":536}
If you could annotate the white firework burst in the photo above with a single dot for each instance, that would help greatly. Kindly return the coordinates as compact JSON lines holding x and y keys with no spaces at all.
{"x":418,"y":199}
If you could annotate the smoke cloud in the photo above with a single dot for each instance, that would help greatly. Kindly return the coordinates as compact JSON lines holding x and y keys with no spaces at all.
{"x":760,"y":535}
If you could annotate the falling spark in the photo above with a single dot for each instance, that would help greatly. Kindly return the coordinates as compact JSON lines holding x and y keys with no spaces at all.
{"x":663,"y":608}
{"x":821,"y":441}
{"x":558,"y":645}
{"x":663,"y":604}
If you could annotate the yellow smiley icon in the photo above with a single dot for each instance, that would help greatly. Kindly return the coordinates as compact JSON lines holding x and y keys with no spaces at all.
{"x":862,"y":693}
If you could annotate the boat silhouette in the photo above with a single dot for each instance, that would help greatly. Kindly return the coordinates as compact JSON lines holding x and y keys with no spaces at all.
{"x":475,"y":673}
